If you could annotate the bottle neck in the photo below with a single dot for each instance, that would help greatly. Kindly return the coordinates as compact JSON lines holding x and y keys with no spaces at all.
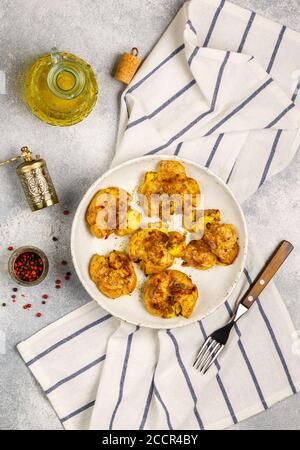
{"x":66,"y":78}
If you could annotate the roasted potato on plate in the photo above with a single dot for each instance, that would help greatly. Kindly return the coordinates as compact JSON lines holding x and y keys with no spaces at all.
{"x":113,"y":274}
{"x":223,"y":242}
{"x":176,"y":244}
{"x":165,"y":250}
{"x":149,"y":247}
{"x":170,"y":294}
{"x":199,"y":221}
{"x":155,"y":250}
{"x":110,"y":212}
{"x":199,"y":255}
{"x":170,"y":179}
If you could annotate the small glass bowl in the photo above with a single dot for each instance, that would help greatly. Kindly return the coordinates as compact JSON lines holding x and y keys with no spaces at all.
{"x":16,"y":254}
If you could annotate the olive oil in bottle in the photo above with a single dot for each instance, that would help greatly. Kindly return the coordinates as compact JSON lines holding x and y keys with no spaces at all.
{"x":60,"y":88}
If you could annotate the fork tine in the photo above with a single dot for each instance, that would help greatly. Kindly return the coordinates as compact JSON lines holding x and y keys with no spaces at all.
{"x":206,"y":362}
{"x":207,"y":349}
{"x":207,"y":344}
{"x":207,"y":352}
{"x":208,"y":356}
{"x":202,"y":349}
{"x":207,"y":366}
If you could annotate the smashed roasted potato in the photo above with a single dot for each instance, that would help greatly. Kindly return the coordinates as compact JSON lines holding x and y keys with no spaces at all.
{"x":176,"y":244}
{"x":114,"y":274}
{"x":110,"y":212}
{"x":206,"y":218}
{"x":199,"y":255}
{"x":167,"y":293}
{"x":155,"y":250}
{"x":222,"y":240}
{"x":170,"y":179}
{"x":149,"y":247}
{"x":217,"y":246}
{"x":170,"y":294}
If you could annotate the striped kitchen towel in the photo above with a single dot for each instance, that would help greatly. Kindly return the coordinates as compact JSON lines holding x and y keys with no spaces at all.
{"x":220,"y":87}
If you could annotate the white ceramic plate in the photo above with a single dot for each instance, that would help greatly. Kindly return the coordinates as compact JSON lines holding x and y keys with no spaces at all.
{"x":214,"y":285}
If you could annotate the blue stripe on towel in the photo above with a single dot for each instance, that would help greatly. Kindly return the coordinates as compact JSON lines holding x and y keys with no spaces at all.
{"x":180,"y":133}
{"x":202,"y":115}
{"x":231,"y":172}
{"x":75,"y":374}
{"x":296,"y":92}
{"x":218,"y":83}
{"x":157,"y":395}
{"x":122,"y":379}
{"x":147,"y":406}
{"x":240,"y":106}
{"x":78,"y":411}
{"x":162,"y":63}
{"x":163,"y":106}
{"x":209,"y":33}
{"x":246,"y":32}
{"x":283,"y":113}
{"x":191,"y":83}
{"x":220,"y":137}
{"x":187,"y":379}
{"x":178,"y":148}
{"x":277,"y":137}
{"x":191,"y":26}
{"x":213,"y":24}
{"x":270,"y":158}
{"x":276,"y":48}
{"x":247,"y":361}
{"x":273,"y":337}
{"x":193,"y":54}
{"x":68,"y":338}
{"x":214,"y":149}
{"x":220,"y":383}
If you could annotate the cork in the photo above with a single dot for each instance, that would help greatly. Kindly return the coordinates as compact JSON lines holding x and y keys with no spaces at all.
{"x":127,"y":66}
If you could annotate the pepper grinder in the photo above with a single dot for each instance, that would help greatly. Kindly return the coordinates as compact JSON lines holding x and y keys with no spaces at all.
{"x":35,"y":179}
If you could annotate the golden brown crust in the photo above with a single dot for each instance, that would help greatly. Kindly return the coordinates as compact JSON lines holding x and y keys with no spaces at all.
{"x":171,"y":166}
{"x":227,"y":256}
{"x":166,"y":293}
{"x":169,"y":294}
{"x":113,"y":274}
{"x":223,"y":242}
{"x":155,"y":250}
{"x":149,"y":247}
{"x":110,"y":212}
{"x":176,"y":244}
{"x":199,"y":255}
{"x":170,"y":179}
{"x":211,"y":216}
{"x":201,"y":221}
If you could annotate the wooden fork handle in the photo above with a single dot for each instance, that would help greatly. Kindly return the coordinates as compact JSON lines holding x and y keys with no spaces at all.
{"x":267,"y":273}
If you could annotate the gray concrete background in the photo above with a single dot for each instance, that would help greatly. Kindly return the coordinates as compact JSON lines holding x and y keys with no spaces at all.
{"x":98,"y":31}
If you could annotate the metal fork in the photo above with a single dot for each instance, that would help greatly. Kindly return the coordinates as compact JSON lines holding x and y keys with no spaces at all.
{"x":216,"y":342}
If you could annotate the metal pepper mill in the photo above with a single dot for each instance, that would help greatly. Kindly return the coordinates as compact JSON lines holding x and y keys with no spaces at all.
{"x":35,"y":180}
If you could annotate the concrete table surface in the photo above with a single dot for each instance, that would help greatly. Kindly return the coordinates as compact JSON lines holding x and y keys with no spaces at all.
{"x":99,"y":31}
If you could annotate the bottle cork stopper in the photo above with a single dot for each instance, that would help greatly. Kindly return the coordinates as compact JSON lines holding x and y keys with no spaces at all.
{"x":127,"y":66}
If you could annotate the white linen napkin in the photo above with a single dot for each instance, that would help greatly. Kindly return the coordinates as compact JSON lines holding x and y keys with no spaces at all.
{"x":220,"y":87}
